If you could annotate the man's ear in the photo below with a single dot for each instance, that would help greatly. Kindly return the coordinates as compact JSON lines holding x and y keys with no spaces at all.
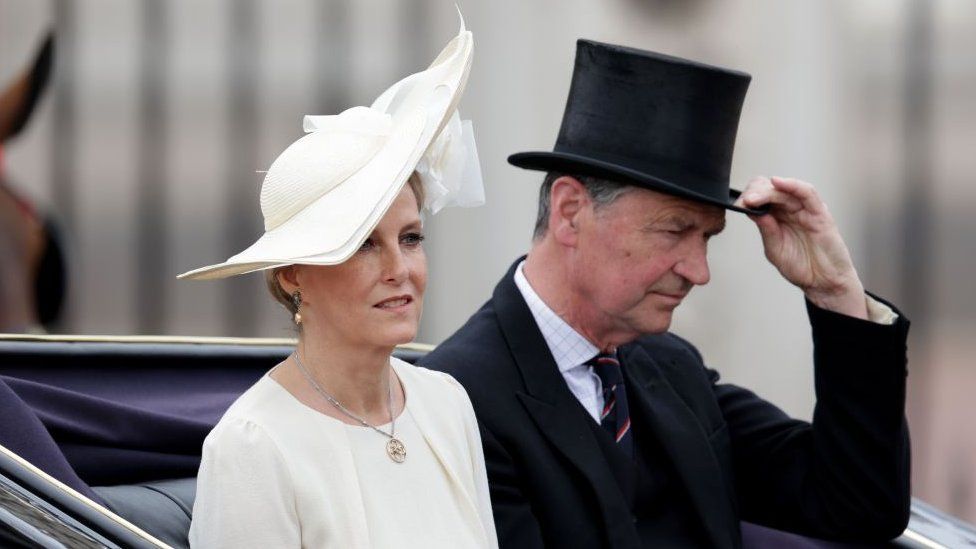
{"x":568,"y":201}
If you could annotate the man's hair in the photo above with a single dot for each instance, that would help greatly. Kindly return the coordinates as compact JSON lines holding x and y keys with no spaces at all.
{"x":602,"y":191}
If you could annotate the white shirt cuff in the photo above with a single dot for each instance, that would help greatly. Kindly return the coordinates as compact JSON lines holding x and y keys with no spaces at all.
{"x":879,"y":312}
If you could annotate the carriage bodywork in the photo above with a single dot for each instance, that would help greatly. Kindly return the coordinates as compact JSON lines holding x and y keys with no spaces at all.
{"x":162,"y":394}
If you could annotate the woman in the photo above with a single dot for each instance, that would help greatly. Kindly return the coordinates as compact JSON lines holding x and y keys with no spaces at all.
{"x":341,"y":444}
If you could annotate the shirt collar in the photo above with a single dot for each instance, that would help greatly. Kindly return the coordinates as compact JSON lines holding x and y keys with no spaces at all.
{"x":568,"y":347}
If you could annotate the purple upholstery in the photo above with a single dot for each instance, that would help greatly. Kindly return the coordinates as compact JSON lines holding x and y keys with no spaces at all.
{"x":123,"y":414}
{"x":24,"y":434}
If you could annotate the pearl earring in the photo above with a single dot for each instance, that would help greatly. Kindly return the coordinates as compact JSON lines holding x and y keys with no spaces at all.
{"x":296,"y":301}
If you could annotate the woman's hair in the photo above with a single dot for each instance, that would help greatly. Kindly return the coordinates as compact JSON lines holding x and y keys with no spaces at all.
{"x":271,"y":275}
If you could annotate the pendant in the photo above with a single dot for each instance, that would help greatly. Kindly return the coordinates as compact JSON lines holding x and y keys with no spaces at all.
{"x":396,"y":450}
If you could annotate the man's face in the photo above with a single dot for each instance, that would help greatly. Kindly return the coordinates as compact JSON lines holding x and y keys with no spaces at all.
{"x":637,"y":258}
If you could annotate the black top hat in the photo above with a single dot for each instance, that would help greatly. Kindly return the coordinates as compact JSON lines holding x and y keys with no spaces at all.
{"x":651,"y":120}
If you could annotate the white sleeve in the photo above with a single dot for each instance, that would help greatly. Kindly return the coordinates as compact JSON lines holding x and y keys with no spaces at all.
{"x":245,"y":497}
{"x":477,"y":453}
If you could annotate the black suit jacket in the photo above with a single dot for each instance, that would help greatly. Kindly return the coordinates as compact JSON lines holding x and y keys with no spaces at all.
{"x":737,"y":457}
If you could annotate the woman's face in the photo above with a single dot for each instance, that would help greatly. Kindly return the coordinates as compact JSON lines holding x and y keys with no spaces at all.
{"x":375,"y":297}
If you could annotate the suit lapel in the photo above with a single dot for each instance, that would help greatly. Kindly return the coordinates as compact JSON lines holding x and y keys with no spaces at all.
{"x":686,"y":444}
{"x":558,"y":415}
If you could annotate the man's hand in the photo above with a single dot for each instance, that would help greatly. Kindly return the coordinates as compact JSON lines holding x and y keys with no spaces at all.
{"x":801,"y":240}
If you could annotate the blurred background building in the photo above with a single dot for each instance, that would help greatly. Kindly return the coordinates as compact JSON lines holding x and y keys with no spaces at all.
{"x":162,"y":113}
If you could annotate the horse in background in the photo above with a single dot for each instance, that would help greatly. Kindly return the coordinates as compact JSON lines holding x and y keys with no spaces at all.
{"x":32,"y":269}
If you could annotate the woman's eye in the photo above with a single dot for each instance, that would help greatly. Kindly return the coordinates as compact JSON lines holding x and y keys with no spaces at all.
{"x":412,"y":239}
{"x":367,"y":245}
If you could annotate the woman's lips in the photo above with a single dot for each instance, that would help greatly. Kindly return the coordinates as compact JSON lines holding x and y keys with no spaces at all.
{"x":395,"y":304}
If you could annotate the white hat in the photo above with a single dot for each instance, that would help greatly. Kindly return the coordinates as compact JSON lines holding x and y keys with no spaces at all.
{"x":324,"y":194}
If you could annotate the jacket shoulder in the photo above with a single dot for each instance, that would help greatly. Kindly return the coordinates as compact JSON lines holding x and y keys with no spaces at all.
{"x":478,"y":357}
{"x":479,"y":342}
{"x":680,"y":361}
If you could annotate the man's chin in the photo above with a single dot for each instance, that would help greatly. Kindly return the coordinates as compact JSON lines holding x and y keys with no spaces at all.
{"x":659,"y":324}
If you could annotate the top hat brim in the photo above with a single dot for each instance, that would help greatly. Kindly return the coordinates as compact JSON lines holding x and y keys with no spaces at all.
{"x":576,"y":164}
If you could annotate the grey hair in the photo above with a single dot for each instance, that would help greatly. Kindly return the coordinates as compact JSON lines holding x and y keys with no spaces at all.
{"x":602,"y":191}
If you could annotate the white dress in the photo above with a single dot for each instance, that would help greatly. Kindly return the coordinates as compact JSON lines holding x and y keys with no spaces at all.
{"x":276,"y":473}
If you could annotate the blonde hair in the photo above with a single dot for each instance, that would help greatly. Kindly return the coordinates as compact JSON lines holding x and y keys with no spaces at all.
{"x":271,"y":276}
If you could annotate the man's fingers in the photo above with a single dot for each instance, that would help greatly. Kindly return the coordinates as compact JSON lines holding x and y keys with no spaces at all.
{"x":757,"y":183}
{"x":782,"y":193}
{"x":756,"y":192}
{"x":802,"y":191}
{"x":766,"y":223}
{"x":762,"y":196}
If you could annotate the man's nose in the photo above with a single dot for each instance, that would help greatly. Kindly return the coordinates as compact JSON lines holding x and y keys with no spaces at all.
{"x":694,"y":265}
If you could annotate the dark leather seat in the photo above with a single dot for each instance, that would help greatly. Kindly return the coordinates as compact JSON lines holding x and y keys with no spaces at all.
{"x":161,"y":508}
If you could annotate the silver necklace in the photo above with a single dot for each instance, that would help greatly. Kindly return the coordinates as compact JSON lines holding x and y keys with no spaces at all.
{"x":394,"y":447}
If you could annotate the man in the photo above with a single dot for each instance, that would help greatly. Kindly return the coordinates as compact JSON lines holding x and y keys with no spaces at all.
{"x":600,"y":428}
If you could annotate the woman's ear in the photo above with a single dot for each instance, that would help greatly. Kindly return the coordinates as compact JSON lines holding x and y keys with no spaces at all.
{"x":288,"y":278}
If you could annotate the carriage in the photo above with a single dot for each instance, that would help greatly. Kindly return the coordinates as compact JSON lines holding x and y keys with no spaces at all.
{"x":100,"y":437}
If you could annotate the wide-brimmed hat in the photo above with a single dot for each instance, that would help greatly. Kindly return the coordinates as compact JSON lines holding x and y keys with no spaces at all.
{"x":325,"y":193}
{"x":648,"y":119}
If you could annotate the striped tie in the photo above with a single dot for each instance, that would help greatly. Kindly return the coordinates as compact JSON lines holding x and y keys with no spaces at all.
{"x":615,"y":417}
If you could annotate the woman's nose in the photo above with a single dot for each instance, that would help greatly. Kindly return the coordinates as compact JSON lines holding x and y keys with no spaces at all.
{"x":395,"y":266}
